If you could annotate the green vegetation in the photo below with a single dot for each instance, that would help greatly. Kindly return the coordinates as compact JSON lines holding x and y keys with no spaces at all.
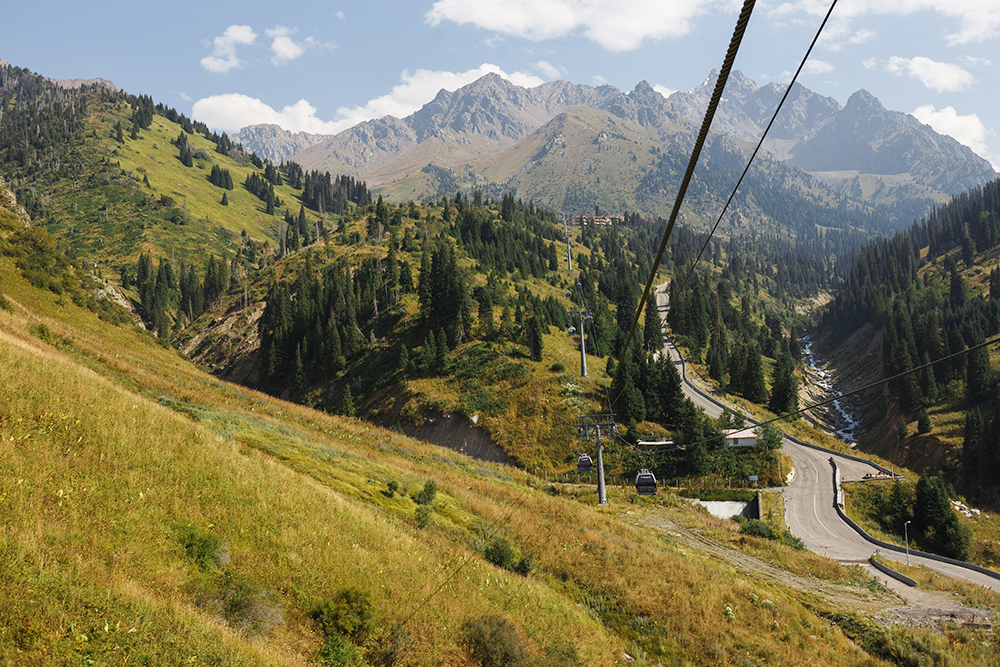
{"x":155,"y":514}
{"x":884,"y":508}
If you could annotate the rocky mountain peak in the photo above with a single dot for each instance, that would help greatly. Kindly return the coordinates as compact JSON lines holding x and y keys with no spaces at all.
{"x":863,"y":102}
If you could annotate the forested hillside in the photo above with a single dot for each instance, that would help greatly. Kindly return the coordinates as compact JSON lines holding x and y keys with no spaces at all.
{"x":934,"y":291}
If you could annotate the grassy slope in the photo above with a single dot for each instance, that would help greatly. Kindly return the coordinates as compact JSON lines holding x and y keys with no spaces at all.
{"x":111,"y":216}
{"x":111,"y":444}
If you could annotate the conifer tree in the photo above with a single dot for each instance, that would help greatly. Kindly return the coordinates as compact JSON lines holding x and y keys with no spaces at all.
{"x":346,"y":407}
{"x":972,"y":444}
{"x":225,"y":200}
{"x":652,"y":326}
{"x":486,"y":326}
{"x":535,"y":343}
{"x":784,"y":388}
{"x":754,"y":388}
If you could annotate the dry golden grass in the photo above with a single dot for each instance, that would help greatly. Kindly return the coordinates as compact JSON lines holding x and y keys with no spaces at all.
{"x":111,"y":444}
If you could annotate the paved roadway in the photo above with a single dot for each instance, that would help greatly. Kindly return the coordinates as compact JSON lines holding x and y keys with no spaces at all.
{"x":809,"y":500}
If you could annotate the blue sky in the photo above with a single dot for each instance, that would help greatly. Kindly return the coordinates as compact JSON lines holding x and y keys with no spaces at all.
{"x":322,"y":66}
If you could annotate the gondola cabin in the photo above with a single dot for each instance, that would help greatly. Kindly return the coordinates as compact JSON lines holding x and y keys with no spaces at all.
{"x":584,"y":463}
{"x":645,"y":483}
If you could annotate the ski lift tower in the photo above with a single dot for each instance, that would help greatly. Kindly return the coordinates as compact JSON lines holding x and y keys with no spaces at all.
{"x":569,"y":245}
{"x":589,"y":426}
{"x":585,"y":316}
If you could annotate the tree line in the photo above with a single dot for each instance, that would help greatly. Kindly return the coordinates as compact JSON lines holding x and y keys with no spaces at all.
{"x":931,"y":314}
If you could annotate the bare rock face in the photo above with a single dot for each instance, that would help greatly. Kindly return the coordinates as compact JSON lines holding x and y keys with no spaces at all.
{"x":859,"y":147}
{"x":274,"y":143}
{"x":73,"y":84}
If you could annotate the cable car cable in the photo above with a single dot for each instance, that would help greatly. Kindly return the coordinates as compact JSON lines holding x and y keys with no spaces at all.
{"x":720,"y":85}
{"x":760,"y":143}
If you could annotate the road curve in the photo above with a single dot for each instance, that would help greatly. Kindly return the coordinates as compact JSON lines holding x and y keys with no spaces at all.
{"x":810,"y":510}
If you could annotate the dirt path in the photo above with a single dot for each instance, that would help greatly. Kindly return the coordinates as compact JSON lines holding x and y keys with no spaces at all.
{"x":893,"y":602}
{"x":839,"y":596}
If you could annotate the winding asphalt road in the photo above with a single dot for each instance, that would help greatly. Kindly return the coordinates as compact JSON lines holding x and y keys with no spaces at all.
{"x":810,"y":510}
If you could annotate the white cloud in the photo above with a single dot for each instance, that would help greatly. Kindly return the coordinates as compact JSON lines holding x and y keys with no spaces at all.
{"x":817,"y":67}
{"x":967,"y":130}
{"x":862,"y":36}
{"x":340,"y":15}
{"x":870,"y":63}
{"x":978,"y":20}
{"x":185,"y":97}
{"x":942,"y":77}
{"x":978,"y":63}
{"x":663,"y":90}
{"x":599,"y":80}
{"x":548,"y":70}
{"x":614,"y":25}
{"x":223,"y":56}
{"x":284,"y":48}
{"x":233,"y":111}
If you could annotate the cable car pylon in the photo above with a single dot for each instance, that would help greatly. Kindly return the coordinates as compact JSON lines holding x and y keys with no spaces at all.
{"x":593,"y":424}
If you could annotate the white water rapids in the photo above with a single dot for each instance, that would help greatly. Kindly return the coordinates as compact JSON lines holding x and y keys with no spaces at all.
{"x":848,"y":433}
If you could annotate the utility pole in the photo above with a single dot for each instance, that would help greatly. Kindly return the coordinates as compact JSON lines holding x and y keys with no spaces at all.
{"x":906,"y":535}
{"x":587,"y":424}
{"x":583,"y":344}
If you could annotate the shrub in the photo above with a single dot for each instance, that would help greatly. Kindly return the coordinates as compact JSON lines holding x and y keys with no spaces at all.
{"x":558,"y":367}
{"x":525,"y":564}
{"x":338,"y":651}
{"x":493,"y":641}
{"x":758,"y":528}
{"x":500,"y":553}
{"x":349,"y":613}
{"x":424,"y":515}
{"x":391,"y":488}
{"x":426,"y":495}
{"x":42,"y":333}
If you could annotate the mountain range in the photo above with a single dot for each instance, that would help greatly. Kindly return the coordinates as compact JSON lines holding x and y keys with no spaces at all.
{"x":498,"y":136}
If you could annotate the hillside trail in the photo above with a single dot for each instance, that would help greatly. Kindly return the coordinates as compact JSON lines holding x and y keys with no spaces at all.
{"x":890,"y":602}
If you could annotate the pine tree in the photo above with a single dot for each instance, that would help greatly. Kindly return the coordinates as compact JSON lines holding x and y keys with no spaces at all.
{"x":784,"y":388}
{"x":754,"y":387}
{"x":535,"y":343}
{"x":441,"y":356}
{"x":403,"y":364}
{"x":486,"y":327}
{"x":972,"y":444}
{"x":652,"y":326}
{"x":979,"y":373}
{"x":346,"y":402}
{"x":924,"y":422}
{"x":225,"y":200}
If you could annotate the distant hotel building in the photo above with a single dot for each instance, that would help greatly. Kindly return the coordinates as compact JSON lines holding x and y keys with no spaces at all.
{"x":599,"y":220}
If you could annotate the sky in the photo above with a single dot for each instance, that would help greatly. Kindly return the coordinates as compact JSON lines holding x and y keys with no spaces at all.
{"x":322,"y":66}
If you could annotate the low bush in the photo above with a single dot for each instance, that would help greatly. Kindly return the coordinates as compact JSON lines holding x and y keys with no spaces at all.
{"x":500,"y":552}
{"x":426,"y":495}
{"x":759,"y":528}
{"x":348,"y":613}
{"x":338,"y":651}
{"x":424,"y":515}
{"x":494,"y":641}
